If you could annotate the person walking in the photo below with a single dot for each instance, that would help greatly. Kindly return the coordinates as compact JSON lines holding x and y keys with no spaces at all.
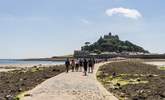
{"x":80,"y":65}
{"x":90,"y":64}
{"x":73,"y":65}
{"x":93,"y":64}
{"x":67,"y":64}
{"x":77,"y":65}
{"x":85,"y":64}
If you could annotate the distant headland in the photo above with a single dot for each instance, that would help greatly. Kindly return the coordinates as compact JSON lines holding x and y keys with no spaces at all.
{"x":112,"y":43}
{"x":107,"y":46}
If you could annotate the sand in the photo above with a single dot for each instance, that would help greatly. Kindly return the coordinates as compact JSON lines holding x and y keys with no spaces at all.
{"x":157,"y":63}
{"x":6,"y":70}
{"x":10,"y":67}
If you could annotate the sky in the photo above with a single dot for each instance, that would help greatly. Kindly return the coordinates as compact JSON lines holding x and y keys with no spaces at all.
{"x":45,"y":28}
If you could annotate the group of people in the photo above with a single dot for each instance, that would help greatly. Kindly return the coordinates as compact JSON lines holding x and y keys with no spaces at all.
{"x":80,"y":65}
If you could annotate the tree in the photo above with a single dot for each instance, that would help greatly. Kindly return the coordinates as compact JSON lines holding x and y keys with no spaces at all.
{"x":112,"y":43}
{"x":87,"y":43}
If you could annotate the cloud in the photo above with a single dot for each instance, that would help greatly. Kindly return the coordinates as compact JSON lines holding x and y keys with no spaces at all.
{"x":85,"y":21}
{"x":129,"y":13}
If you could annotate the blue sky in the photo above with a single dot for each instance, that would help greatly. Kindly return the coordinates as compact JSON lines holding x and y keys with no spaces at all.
{"x":44,"y":28}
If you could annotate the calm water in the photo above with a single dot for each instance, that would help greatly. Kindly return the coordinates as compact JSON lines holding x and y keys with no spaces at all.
{"x":10,"y":61}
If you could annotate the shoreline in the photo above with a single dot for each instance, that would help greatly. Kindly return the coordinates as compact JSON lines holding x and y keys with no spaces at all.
{"x":25,"y":78}
{"x":25,"y":65}
{"x":12,"y":67}
{"x":157,"y":63}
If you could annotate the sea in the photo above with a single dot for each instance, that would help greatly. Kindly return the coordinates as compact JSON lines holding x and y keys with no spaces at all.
{"x":17,"y":62}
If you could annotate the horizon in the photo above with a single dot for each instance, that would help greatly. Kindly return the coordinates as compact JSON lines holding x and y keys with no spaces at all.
{"x":39,"y":29}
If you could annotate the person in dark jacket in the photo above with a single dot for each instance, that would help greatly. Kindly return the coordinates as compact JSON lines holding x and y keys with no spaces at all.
{"x":67,"y":64}
{"x":85,"y":64}
{"x":80,"y":65}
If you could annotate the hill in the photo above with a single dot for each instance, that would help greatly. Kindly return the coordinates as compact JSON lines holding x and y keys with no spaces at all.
{"x":112,"y":43}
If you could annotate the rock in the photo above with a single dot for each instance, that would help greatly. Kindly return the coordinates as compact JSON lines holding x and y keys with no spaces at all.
{"x":140,"y":91}
{"x":40,"y":65}
{"x":116,"y":88}
{"x":12,"y":91}
{"x":9,"y":97}
{"x":138,"y":80}
{"x":120,"y":87}
{"x":138,"y":97}
{"x":25,"y":79}
{"x":122,"y":95}
{"x":20,"y":90}
{"x":114,"y":74}
{"x":35,"y":66}
{"x":7,"y":82}
{"x":162,"y":95}
{"x":27,"y":95}
{"x":1,"y":98}
{"x":46,"y":76}
{"x":54,"y":70}
{"x":150,"y":75}
{"x":118,"y":84}
{"x":135,"y":98}
{"x":23,"y":84}
{"x":20,"y":79}
{"x":1,"y":92}
{"x":17,"y":98}
{"x":37,"y":69}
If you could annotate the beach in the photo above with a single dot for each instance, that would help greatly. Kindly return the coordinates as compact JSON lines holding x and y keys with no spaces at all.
{"x":9,"y":65}
{"x":49,"y":82}
{"x":157,"y":63}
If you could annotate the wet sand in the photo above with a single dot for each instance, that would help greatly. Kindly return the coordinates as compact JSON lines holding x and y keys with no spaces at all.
{"x":10,"y":67}
{"x":157,"y":62}
{"x":6,"y":70}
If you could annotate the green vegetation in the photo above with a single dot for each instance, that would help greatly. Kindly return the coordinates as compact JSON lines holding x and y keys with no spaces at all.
{"x":121,"y":79}
{"x":162,"y":68}
{"x":34,"y":69}
{"x":16,"y":98}
{"x":112,"y":43}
